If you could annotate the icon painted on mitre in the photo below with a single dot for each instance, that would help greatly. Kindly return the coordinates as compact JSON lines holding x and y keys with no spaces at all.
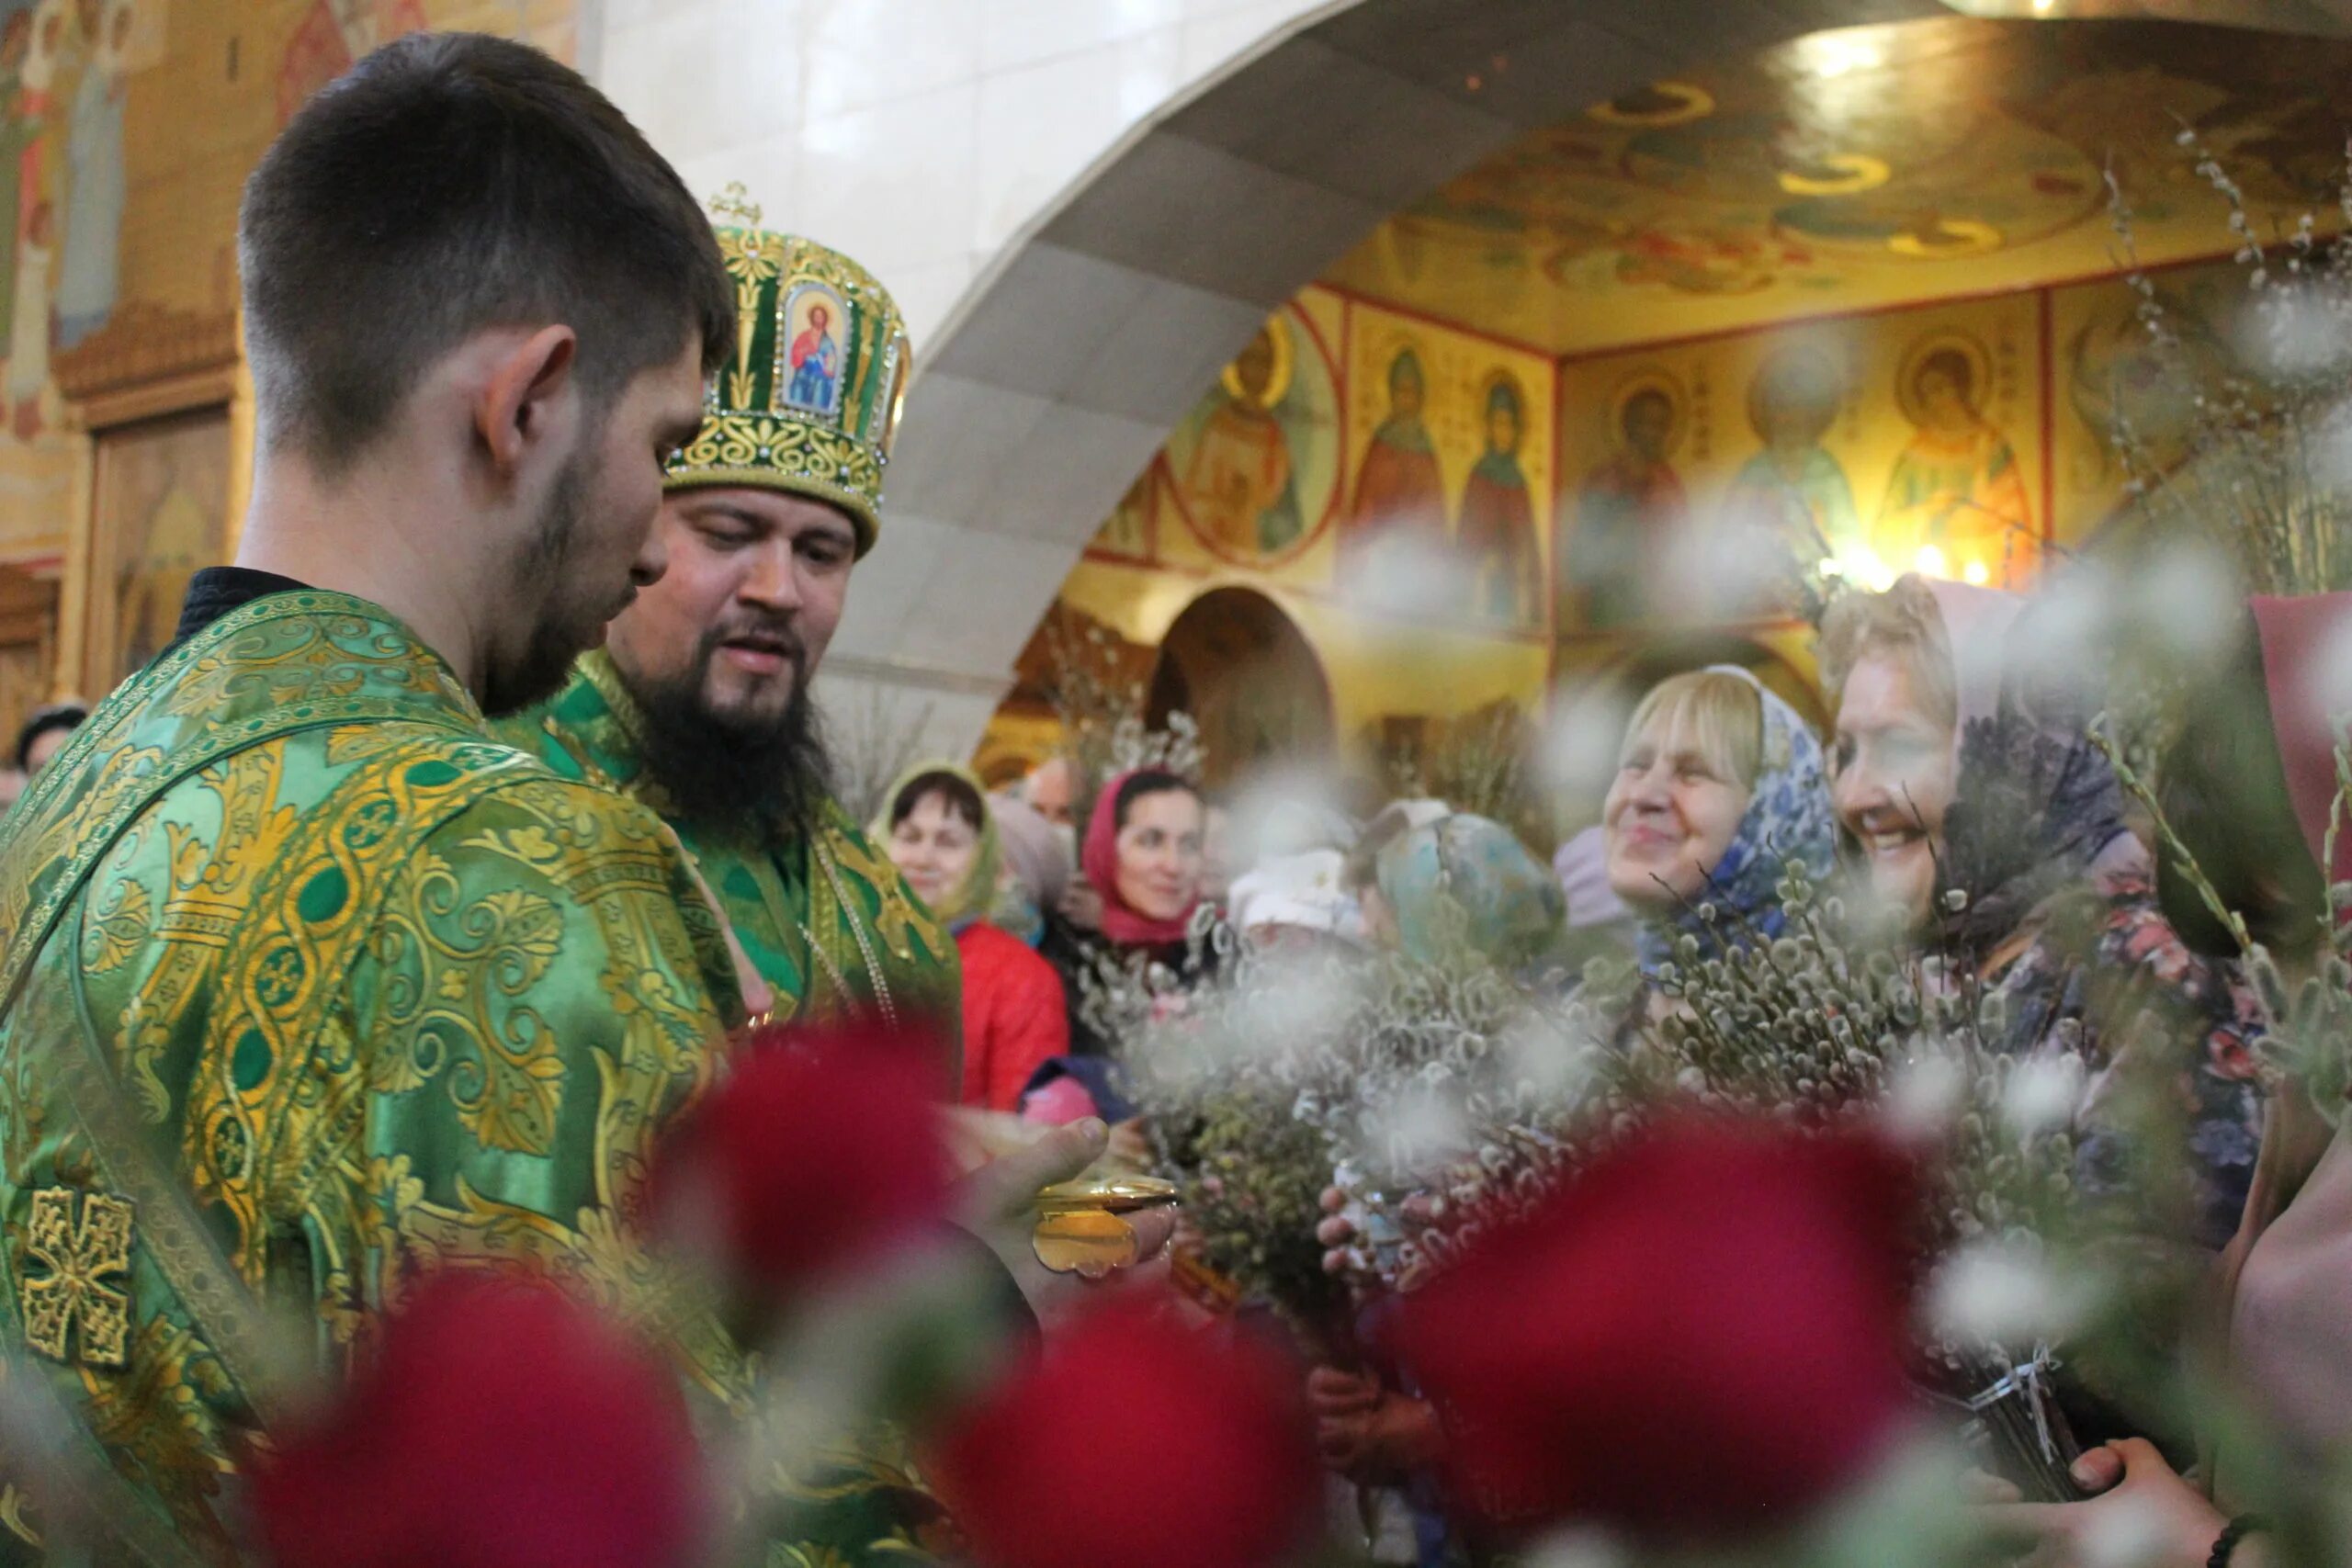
{"x":816,"y":342}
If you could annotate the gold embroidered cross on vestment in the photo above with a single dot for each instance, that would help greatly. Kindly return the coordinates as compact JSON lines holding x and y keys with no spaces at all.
{"x":80,"y":1259}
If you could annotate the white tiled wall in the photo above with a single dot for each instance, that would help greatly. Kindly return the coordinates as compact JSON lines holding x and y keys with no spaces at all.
{"x":919,"y":136}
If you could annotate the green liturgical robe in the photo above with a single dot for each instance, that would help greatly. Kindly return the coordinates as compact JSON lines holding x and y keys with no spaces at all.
{"x":825,"y":919}
{"x":306,"y":983}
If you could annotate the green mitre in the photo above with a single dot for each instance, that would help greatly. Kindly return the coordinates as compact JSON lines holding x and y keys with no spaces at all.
{"x":810,"y":402}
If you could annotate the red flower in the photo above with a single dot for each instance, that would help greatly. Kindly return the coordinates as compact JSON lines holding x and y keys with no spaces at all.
{"x":500,"y":1425}
{"x":1700,"y":1336}
{"x":1139,"y":1441}
{"x":819,"y":1151}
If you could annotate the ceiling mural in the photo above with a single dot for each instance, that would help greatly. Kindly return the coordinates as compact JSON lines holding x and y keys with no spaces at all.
{"x":1865,"y":167}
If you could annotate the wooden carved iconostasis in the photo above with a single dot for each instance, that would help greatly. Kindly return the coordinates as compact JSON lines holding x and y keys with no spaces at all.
{"x":166,"y":416}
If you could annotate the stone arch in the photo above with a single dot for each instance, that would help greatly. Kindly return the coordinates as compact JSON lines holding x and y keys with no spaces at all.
{"x":1063,"y":369}
{"x":1236,"y":662}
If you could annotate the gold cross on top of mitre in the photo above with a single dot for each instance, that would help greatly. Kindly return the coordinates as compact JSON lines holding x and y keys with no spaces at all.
{"x":735,"y":202}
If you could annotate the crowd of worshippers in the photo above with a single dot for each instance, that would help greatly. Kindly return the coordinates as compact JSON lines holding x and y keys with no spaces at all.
{"x":1719,"y":786}
{"x":1953,"y":795}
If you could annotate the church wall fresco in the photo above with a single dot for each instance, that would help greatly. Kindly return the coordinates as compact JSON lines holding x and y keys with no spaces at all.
{"x":1967,"y":438}
{"x":1385,"y":478}
{"x":1858,"y":296}
{"x":1909,"y":439}
{"x":1864,"y":167}
{"x":126,"y":128}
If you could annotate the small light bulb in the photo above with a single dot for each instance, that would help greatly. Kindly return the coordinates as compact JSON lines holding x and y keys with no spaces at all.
{"x":1931,"y":561}
{"x":1974,"y":572}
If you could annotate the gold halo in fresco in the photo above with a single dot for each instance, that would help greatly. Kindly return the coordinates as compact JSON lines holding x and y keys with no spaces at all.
{"x":1837,"y":174}
{"x":1940,"y":237}
{"x":1949,"y":339}
{"x":1276,"y":333}
{"x":1660,"y":103}
{"x":1650,"y":379}
{"x":1503,"y":380}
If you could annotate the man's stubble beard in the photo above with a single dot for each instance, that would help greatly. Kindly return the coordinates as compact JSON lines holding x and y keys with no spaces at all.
{"x":557,"y":637}
{"x":737,"y":775}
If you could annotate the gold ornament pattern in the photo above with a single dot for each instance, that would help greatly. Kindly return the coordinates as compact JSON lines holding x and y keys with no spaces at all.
{"x":75,"y":1300}
{"x":325,"y":984}
{"x":823,"y":916}
{"x":806,"y":405}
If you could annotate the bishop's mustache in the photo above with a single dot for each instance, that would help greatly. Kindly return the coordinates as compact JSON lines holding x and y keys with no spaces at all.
{"x":773,"y":634}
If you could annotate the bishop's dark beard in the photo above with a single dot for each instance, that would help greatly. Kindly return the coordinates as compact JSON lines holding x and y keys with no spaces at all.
{"x":733,"y":774}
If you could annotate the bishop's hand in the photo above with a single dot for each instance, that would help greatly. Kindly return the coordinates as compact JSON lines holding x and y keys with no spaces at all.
{"x":996,"y":1203}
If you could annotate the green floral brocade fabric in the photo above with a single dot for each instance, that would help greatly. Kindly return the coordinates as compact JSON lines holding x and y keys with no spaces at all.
{"x":307,"y":983}
{"x":825,"y":919}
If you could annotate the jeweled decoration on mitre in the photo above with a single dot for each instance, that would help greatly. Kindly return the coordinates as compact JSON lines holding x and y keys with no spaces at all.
{"x":809,"y":403}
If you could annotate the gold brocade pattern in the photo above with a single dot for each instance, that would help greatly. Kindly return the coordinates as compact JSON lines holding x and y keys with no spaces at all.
{"x":824,"y":916}
{"x":324,"y":986}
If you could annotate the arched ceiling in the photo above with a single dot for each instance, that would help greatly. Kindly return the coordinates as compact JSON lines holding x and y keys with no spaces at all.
{"x":1063,"y":369}
{"x":1863,"y":167}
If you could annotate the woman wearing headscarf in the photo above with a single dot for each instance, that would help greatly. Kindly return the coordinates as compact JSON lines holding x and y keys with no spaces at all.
{"x":1720,"y":788}
{"x":940,"y":834}
{"x":1037,"y":867}
{"x":1143,"y":856}
{"x":1993,"y":832}
{"x":2249,"y":787}
{"x":1464,"y":885}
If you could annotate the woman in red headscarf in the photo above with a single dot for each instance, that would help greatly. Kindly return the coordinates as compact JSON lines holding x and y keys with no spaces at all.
{"x":1144,"y":856}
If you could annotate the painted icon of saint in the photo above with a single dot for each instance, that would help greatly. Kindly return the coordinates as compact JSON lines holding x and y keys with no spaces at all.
{"x":1398,"y":493}
{"x":1956,"y":487}
{"x":815,"y":362}
{"x":1793,"y":489}
{"x":1497,"y":536}
{"x":1627,"y":513}
{"x":1238,"y":486}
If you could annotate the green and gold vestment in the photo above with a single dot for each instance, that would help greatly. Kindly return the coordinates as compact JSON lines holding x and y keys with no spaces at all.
{"x":825,"y":917}
{"x":306,"y":983}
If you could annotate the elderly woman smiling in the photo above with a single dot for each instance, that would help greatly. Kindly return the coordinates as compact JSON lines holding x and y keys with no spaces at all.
{"x":1953,"y":778}
{"x":1719,"y":787}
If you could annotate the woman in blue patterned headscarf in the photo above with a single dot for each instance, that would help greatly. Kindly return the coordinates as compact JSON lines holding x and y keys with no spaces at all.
{"x":1720,"y":788}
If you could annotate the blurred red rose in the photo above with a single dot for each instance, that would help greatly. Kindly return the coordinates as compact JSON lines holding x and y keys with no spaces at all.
{"x":1136,"y":1441}
{"x":1700,"y":1336}
{"x":819,"y":1151}
{"x":498,"y":1424}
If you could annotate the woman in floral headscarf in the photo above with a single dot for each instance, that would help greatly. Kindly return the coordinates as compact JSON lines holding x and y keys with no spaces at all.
{"x":1720,"y":788}
{"x":941,"y":836}
{"x":1989,"y":825}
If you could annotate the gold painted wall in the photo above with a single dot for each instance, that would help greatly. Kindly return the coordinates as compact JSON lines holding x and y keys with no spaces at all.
{"x":1384,"y":479}
{"x":1911,"y":439}
{"x":126,"y":128}
{"x":1953,"y":435}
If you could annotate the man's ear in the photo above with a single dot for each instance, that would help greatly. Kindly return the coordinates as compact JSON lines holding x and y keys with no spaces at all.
{"x":528,"y":398}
